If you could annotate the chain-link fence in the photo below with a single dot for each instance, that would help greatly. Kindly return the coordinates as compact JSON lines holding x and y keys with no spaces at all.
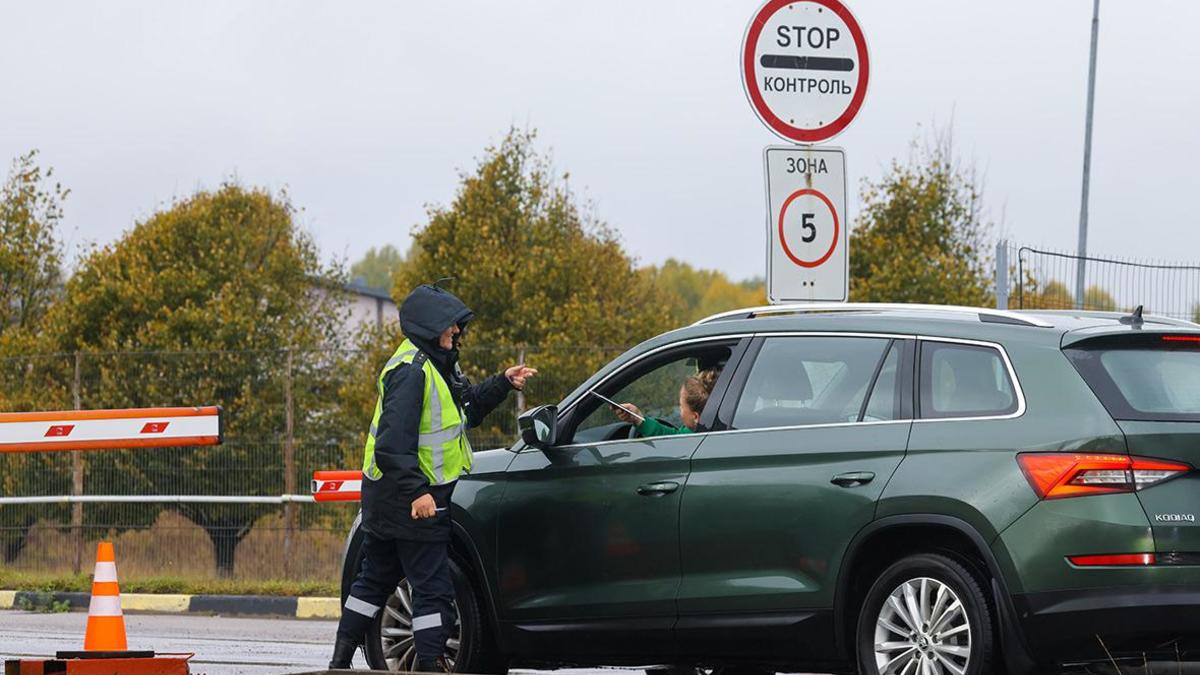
{"x":229,"y":510}
{"x":1035,"y":278}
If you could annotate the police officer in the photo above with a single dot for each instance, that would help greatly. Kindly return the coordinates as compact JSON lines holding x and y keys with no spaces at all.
{"x":416,"y":449}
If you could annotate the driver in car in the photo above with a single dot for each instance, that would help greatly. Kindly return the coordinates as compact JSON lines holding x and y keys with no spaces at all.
{"x":692,"y":397}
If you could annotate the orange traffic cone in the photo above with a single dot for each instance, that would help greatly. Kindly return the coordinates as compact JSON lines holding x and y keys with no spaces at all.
{"x":105,"y":624}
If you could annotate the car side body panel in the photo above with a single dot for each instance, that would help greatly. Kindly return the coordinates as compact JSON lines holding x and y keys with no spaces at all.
{"x":966,"y":468}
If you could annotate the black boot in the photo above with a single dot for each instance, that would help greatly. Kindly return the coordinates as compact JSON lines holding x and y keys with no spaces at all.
{"x":343,"y":654}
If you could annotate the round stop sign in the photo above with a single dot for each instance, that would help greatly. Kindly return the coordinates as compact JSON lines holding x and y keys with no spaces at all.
{"x":805,"y":68}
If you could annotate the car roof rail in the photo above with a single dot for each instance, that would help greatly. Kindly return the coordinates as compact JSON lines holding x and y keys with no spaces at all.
{"x":1097,"y":314}
{"x":978,"y":313}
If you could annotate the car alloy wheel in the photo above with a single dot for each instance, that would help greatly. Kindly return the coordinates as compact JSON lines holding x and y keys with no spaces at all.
{"x":922,"y":629}
{"x":396,"y":634}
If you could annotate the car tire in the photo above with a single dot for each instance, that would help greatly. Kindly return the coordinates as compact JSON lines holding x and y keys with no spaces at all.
{"x":469,"y":648}
{"x":926,"y":609}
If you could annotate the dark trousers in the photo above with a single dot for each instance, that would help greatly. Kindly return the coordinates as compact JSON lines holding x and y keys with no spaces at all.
{"x":426,"y":565}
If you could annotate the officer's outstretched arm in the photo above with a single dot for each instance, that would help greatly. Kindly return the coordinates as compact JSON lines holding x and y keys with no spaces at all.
{"x":481,"y":399}
{"x":399,"y":425}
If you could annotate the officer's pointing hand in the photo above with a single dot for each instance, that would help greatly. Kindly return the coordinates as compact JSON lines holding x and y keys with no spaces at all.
{"x":518,"y":374}
{"x":424,"y":507}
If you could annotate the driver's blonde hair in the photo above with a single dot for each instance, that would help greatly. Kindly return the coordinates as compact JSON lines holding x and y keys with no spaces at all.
{"x":696,"y":388}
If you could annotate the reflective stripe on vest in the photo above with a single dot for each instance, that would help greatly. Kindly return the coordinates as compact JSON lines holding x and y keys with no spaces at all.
{"x":443,"y":451}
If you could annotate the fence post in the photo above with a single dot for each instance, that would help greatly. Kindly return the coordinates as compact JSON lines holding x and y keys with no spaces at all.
{"x":521,"y":393}
{"x":289,"y":466}
{"x":1002,"y":274}
{"x":77,"y":478}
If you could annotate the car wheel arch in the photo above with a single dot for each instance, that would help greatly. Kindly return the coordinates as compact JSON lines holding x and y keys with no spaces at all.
{"x":351,"y":556}
{"x":466,"y":554}
{"x":462,"y":550}
{"x":940,"y":533}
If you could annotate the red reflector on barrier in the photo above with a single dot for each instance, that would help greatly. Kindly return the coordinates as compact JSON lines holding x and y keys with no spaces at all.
{"x":337,"y":486}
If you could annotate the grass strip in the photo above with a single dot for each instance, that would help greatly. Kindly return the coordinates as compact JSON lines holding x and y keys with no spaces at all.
{"x":82,"y":583}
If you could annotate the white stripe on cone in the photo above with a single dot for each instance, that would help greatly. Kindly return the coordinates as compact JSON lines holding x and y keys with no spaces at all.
{"x":105,"y":605}
{"x":106,"y":571}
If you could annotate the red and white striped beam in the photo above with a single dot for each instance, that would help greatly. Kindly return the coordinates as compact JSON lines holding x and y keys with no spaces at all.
{"x":337,"y":486}
{"x":110,"y":429}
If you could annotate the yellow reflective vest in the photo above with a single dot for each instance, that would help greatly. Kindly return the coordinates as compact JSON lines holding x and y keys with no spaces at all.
{"x":443,"y":451}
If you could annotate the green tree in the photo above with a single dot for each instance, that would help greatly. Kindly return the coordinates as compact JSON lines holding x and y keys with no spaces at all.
{"x":693,"y":294}
{"x":536,"y":268}
{"x":30,"y":277}
{"x":199,"y":304}
{"x":1055,"y":295}
{"x":921,"y":235}
{"x":30,"y":249}
{"x":378,"y":268}
{"x":1098,"y":299}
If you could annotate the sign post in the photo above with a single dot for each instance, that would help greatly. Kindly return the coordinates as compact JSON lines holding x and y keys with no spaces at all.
{"x":807,"y":240}
{"x":805,"y":69}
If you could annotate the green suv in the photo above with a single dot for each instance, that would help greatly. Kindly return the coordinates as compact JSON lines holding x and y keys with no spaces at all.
{"x":875,"y":488}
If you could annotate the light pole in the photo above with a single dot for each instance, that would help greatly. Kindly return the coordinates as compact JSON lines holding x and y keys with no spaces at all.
{"x":1081,"y":251}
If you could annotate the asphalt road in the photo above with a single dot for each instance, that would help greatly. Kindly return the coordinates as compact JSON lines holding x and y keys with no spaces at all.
{"x":222,"y":645}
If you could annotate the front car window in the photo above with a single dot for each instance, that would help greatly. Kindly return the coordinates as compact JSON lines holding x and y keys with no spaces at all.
{"x":653,"y":386}
{"x":656,"y":393}
{"x":811,"y":380}
{"x":961,"y":380}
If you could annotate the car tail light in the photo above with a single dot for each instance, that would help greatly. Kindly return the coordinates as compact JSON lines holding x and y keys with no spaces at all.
{"x":1181,"y":338}
{"x":1055,"y":475}
{"x":1118,"y":560}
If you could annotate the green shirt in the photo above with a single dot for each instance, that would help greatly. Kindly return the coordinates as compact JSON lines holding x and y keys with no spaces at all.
{"x":651,"y":427}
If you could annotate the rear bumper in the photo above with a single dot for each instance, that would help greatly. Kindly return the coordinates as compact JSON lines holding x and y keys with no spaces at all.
{"x":1080,"y":625}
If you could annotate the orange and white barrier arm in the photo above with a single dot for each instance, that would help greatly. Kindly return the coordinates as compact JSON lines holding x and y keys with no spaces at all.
{"x":110,"y":429}
{"x":337,"y":486}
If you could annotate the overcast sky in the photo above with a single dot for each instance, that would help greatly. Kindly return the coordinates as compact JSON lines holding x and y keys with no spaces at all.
{"x":365,"y":112}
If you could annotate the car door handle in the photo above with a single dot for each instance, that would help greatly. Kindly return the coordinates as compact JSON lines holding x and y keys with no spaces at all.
{"x":853,"y":479}
{"x":657,"y":489}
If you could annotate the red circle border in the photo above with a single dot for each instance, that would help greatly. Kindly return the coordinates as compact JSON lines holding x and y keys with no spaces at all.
{"x":776,"y":124}
{"x":836,"y":227}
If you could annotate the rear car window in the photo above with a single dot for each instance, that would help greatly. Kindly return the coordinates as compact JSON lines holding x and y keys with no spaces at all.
{"x":961,"y":380}
{"x":809,"y":380}
{"x":1145,"y":377}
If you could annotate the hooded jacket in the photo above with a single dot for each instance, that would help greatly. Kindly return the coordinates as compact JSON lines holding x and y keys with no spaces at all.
{"x":387,"y":503}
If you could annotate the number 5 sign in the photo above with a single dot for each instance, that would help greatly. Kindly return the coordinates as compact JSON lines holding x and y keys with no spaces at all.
{"x":807,"y":237}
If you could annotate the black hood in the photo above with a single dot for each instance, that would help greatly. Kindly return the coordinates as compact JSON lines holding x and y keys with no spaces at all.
{"x":426,"y":313}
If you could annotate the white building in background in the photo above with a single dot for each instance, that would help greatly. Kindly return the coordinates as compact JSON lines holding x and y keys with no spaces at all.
{"x":373,"y":306}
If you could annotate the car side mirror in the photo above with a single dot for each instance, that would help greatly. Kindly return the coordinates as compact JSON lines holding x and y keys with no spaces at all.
{"x":539,"y":427}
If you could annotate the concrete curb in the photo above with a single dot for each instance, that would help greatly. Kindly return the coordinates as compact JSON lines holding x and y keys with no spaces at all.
{"x":155,"y":603}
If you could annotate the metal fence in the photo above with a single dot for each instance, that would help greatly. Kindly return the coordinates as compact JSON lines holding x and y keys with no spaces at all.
{"x":234,"y":510}
{"x":1038,"y":278}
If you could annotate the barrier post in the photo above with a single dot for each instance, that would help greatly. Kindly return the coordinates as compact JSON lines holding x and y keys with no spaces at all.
{"x":520,"y":393}
{"x":289,"y":466}
{"x":77,"y":477}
